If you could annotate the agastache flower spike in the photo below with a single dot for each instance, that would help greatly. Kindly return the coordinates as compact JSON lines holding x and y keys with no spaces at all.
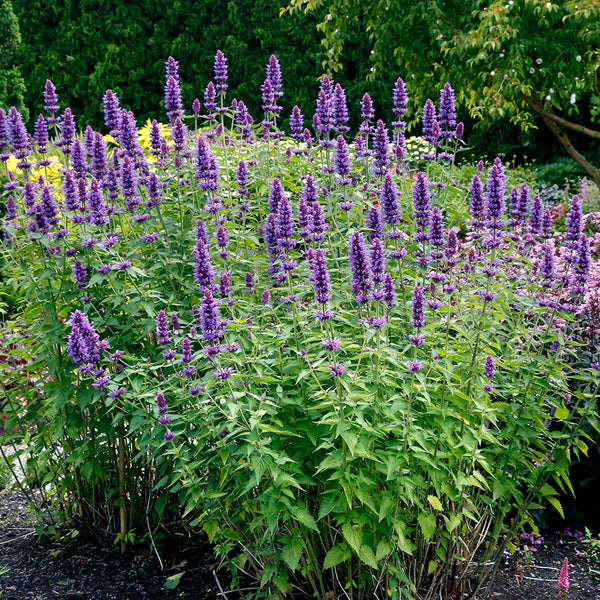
{"x":361,"y":282}
{"x":210,"y":323}
{"x":18,"y":136}
{"x":447,"y":112}
{"x":51,"y":101}
{"x":49,"y":207}
{"x":319,"y":275}
{"x":400,"y":100}
{"x":574,"y":223}
{"x":207,"y":171}
{"x":222,"y":241}
{"x":489,"y":370}
{"x":204,"y":273}
{"x":477,"y":205}
{"x":367,"y":113}
{"x":220,"y":68}
{"x":112,"y":111}
{"x":436,"y":232}
{"x":418,"y":313}
{"x":389,"y":290}
{"x":374,"y":222}
{"x":186,"y":351}
{"x":421,"y":201}
{"x":428,"y":121}
{"x":340,"y":109}
{"x":99,"y":156}
{"x":98,"y":213}
{"x":377,"y":260}
{"x":389,"y":201}
{"x":40,"y":136}
{"x":4,"y":138}
{"x":274,"y":76}
{"x":381,"y":148}
{"x":173,"y":103}
{"x":162,"y":328}
{"x":275,"y":195}
{"x":342,"y":161}
{"x":67,"y":131}
{"x":296,"y":124}
{"x":496,"y":194}
{"x":547,"y":267}
{"x":536,"y":216}
{"x":210,"y":96}
{"x":319,"y":225}
{"x":285,"y":223}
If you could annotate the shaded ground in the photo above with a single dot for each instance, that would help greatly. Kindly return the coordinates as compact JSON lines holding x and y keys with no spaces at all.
{"x":81,"y":570}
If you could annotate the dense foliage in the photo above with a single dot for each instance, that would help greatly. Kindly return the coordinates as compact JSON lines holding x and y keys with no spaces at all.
{"x":354,"y":366}
{"x":12,"y":86}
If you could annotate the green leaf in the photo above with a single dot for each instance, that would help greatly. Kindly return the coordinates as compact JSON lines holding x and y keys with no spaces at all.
{"x":366,"y":554}
{"x":301,"y":514}
{"x":336,"y":555}
{"x":435,"y":502}
{"x":428,"y":525}
{"x":561,"y":413}
{"x":383,"y":549}
{"x":172,"y":582}
{"x":292,"y":552}
{"x":211,"y":528}
{"x":353,"y":535}
{"x":557,"y":505}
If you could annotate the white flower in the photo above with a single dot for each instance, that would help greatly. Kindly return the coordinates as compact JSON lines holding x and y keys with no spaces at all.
{"x":538,"y":61}
{"x":578,"y":58}
{"x":551,"y":90}
{"x":532,"y":70}
{"x":573,"y":99}
{"x":548,"y":4}
{"x":548,"y":98}
{"x":492,"y":73}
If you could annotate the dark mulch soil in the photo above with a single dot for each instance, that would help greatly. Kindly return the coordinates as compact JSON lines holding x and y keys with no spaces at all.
{"x":84,"y":570}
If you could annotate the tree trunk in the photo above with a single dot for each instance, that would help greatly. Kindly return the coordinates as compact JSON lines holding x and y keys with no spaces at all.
{"x":552,"y":121}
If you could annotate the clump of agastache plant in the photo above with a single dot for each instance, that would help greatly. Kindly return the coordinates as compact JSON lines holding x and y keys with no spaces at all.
{"x":348,"y":361}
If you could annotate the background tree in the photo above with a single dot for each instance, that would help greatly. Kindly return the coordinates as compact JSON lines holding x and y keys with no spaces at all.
{"x":515,"y":58}
{"x":12,"y":86}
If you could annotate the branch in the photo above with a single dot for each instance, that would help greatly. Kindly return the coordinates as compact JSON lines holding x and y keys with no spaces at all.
{"x":536,"y":105}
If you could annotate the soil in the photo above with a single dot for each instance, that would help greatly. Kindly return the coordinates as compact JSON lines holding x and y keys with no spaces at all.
{"x":80,"y":569}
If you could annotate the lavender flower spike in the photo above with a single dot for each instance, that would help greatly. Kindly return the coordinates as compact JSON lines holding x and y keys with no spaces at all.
{"x":418,"y":314}
{"x":320,"y":275}
{"x":340,"y":109}
{"x":342,"y":161}
{"x":447,"y":112}
{"x":389,"y":201}
{"x":381,"y":148}
{"x":220,"y":68}
{"x":421,"y":201}
{"x":361,"y":282}
{"x":173,"y":102}
{"x":50,"y":101}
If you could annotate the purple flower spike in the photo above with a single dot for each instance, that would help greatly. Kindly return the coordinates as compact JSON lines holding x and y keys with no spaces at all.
{"x":582,"y":265}
{"x":340,"y":109}
{"x":169,"y":435}
{"x":210,"y":104}
{"x":50,"y":101}
{"x":537,"y":215}
{"x":377,"y":260}
{"x":204,"y":273}
{"x":285,"y":223}
{"x":210,"y":324}
{"x":547,"y":266}
{"x":112,"y":111}
{"x":84,"y":343}
{"x":296,"y":124}
{"x":361,"y":282}
{"x":414,"y":366}
{"x":418,"y":313}
{"x":161,"y":403}
{"x":374,"y":222}
{"x":563,"y":580}
{"x":337,"y":369}
{"x":389,"y":290}
{"x":275,"y":195}
{"x":274,"y":76}
{"x":496,"y":193}
{"x":319,"y":225}
{"x":324,"y":114}
{"x":400,"y":99}
{"x":574,"y":223}
{"x":173,"y":103}
{"x":342,"y":161}
{"x":4,"y":138}
{"x":163,"y":336}
{"x":381,"y":148}
{"x":220,"y":68}
{"x":437,"y":235}
{"x":224,"y":373}
{"x":98,"y":211}
{"x":186,"y":351}
{"x":222,"y":241}
{"x":447,"y":112}
{"x":319,"y":277}
{"x":429,"y":119}
{"x":172,"y":69}
{"x":268,"y":98}
{"x":67,"y":131}
{"x":17,"y":134}
{"x":40,"y":135}
{"x":367,"y":113}
{"x":421,"y":201}
{"x":78,"y":161}
{"x":389,"y":201}
{"x":477,"y":205}
{"x":196,"y":108}
{"x":207,"y":170}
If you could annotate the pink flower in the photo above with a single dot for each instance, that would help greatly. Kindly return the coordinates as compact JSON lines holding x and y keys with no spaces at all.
{"x":563,"y":580}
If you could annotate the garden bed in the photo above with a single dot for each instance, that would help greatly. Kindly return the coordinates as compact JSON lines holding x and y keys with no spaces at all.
{"x":76,"y":568}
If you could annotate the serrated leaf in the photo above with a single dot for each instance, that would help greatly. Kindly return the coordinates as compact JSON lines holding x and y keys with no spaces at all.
{"x":336,"y":555}
{"x":303,"y":516}
{"x":557,"y":505}
{"x":383,"y":549}
{"x":367,"y":555}
{"x":292,"y":552}
{"x":435,"y":502}
{"x":403,"y":542}
{"x":172,"y":582}
{"x":353,"y":535}
{"x":211,"y":528}
{"x":561,"y":413}
{"x":428,"y":525}
{"x":433,"y":565}
{"x":327,"y":506}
